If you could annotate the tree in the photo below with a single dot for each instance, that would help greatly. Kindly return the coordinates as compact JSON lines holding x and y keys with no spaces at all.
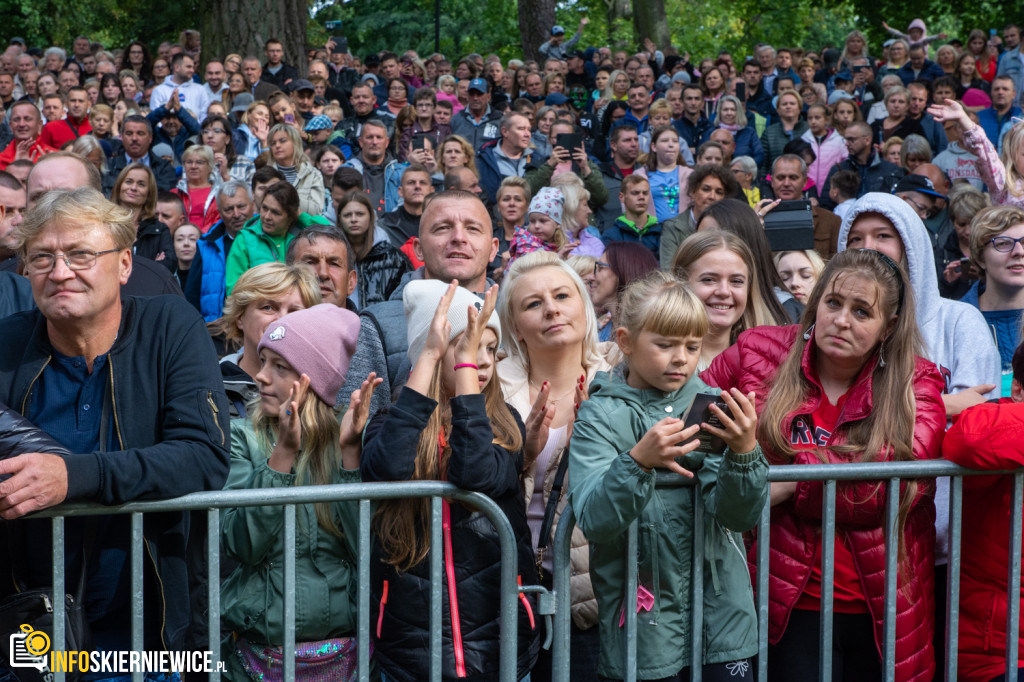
{"x":536,"y":17}
{"x":244,"y":26}
{"x":649,"y":21}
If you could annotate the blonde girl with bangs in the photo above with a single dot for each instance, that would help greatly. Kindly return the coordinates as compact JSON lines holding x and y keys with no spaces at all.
{"x":449,"y":423}
{"x":846,"y":385}
{"x":719,"y":267}
{"x":634,"y":426}
{"x":292,"y":438}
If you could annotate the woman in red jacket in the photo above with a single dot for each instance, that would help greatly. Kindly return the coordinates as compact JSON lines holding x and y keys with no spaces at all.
{"x":817,"y":385}
{"x":987,"y":436}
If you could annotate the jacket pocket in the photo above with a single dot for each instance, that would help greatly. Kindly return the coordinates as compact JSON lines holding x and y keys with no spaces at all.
{"x":214,"y":408}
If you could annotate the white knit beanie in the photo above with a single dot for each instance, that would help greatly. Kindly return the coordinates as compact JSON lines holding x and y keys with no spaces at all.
{"x":421,"y":298}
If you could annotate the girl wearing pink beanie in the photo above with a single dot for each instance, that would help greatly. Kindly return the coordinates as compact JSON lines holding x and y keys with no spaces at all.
{"x":292,"y":438}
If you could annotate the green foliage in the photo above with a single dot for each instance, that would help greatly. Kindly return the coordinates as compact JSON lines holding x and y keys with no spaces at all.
{"x":114,"y":23}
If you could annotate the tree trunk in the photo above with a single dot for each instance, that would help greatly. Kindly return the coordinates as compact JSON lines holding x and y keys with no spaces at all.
{"x":245,"y":26}
{"x":536,"y":17}
{"x":650,"y":21}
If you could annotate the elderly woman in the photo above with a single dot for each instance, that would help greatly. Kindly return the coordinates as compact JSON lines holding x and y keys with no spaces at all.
{"x":198,"y":187}
{"x":553,"y":355}
{"x":897,"y":123}
{"x":730,"y":115}
{"x":135,"y":189}
{"x":287,"y":156}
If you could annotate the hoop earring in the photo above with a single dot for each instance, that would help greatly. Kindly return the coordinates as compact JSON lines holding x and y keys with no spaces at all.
{"x":881,"y":359}
{"x":809,"y":333}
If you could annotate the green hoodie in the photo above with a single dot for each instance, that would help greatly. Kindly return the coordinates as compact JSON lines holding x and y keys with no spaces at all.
{"x":609,"y":490}
{"x":253,"y":247}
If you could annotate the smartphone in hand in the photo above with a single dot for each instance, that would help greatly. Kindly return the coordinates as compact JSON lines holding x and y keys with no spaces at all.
{"x":700,"y":412}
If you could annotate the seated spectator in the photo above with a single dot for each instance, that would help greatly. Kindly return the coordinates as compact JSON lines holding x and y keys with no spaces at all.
{"x":955,"y":161}
{"x":266,"y":240}
{"x":506,"y":157}
{"x":625,"y":148}
{"x":185,"y":239}
{"x":403,"y":223}
{"x":667,"y":174}
{"x":227,"y":162}
{"x":198,"y":187}
{"x":919,"y":67}
{"x":425,"y":103}
{"x":877,"y":174}
{"x":137,"y":138}
{"x":712,"y":153}
{"x":477,"y":123}
{"x":325,"y":250}
{"x":789,"y":127}
{"x":636,"y":224}
{"x":898,"y":122}
{"x":789,"y":176}
{"x":828,"y":144}
{"x":574,"y":161}
{"x":624,"y":262}
{"x":287,"y":156}
{"x":744,"y":169}
{"x":576,"y":217}
{"x":914,"y":152}
{"x":799,"y":271}
{"x":706,"y":185}
{"x":543,"y":231}
{"x":376,"y":164}
{"x":135,"y":190}
{"x":58,"y":133}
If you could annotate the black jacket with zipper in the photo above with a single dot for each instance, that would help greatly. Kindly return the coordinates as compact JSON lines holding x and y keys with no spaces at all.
{"x":402,"y":626}
{"x":169,"y":423}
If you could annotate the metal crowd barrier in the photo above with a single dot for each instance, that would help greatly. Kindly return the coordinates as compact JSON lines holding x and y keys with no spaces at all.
{"x":890,"y":473}
{"x":288,"y":498}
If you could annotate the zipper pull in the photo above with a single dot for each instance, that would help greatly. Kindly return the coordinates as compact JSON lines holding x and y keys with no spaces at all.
{"x":213,"y":405}
{"x":47,"y":604}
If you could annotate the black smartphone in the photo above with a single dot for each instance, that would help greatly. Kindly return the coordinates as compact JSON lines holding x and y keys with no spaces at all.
{"x":700,"y":411}
{"x":419,"y":141}
{"x":741,"y":91}
{"x":569,"y":141}
{"x":340,"y":44}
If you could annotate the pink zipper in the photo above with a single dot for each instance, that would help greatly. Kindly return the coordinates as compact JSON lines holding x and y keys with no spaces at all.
{"x":380,"y":613}
{"x":453,"y":599}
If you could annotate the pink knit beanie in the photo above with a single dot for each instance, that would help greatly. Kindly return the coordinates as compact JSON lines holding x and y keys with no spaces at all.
{"x":318,"y":342}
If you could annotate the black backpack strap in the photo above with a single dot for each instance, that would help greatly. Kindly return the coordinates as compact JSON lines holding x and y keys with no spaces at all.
{"x":551,"y":507}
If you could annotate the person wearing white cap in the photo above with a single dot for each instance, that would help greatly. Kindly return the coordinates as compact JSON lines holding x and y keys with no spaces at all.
{"x":449,"y":423}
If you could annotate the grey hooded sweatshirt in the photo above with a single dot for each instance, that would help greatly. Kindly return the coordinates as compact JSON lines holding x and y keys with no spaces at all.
{"x":956,"y":336}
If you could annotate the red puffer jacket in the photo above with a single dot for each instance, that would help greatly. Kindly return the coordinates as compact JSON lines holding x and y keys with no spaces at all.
{"x":749,"y":365}
{"x":987,"y":436}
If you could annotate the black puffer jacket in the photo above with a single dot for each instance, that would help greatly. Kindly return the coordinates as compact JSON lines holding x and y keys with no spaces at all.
{"x":155,"y":238}
{"x":403,"y":621}
{"x":380,"y":273}
{"x":19,"y":436}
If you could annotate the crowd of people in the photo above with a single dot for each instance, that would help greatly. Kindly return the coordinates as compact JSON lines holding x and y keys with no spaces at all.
{"x":542,"y":281}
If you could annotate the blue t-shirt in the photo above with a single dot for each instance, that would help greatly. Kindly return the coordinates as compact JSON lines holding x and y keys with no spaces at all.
{"x":665,"y":191}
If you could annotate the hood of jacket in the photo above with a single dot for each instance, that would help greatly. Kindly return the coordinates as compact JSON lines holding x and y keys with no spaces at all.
{"x":917,"y":248}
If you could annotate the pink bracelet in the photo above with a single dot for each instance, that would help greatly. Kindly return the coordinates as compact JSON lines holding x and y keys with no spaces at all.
{"x":467,"y":364}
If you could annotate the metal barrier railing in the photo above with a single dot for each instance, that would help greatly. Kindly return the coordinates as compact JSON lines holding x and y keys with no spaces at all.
{"x":288,"y":498}
{"x":891,"y":473}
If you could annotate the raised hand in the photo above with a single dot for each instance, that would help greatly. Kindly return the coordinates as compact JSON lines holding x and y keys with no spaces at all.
{"x":354,"y":421}
{"x":660,"y":446}
{"x":538,"y":425}
{"x":289,"y":428}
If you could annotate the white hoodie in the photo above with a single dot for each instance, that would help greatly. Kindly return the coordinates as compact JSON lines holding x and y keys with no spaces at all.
{"x":956,"y":336}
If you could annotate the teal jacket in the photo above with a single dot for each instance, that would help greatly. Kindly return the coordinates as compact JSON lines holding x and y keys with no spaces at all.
{"x":609,"y":490}
{"x":252,"y":598}
{"x":252,"y":247}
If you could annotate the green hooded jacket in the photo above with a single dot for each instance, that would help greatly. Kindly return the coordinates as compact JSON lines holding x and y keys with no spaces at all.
{"x":253,"y":247}
{"x":609,"y":490}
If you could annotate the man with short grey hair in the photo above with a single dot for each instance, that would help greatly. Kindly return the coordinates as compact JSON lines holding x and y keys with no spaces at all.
{"x":789,"y":175}
{"x":206,"y":287}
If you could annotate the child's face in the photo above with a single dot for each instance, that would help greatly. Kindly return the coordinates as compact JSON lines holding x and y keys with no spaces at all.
{"x":662,"y":362}
{"x":275,"y":379}
{"x":485,"y":359}
{"x":543,"y":226}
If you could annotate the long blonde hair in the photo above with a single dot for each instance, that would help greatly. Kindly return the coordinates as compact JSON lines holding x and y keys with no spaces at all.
{"x":1011,"y":145}
{"x":403,"y":526}
{"x":889,"y":428}
{"x":698,"y":245}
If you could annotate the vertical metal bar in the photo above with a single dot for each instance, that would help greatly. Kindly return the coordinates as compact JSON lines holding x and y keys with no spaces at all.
{"x":828,"y":563}
{"x":509,"y":624}
{"x":763,"y":539}
{"x":213,"y":587}
{"x":630,"y":603}
{"x":138,"y":595}
{"x":289,"y":592}
{"x":363,"y":588}
{"x":697,"y":579}
{"x":57,"y":541}
{"x":956,"y":499}
{"x":436,"y":582}
{"x":891,"y":555}
{"x":1013,"y":579}
{"x":560,"y":646}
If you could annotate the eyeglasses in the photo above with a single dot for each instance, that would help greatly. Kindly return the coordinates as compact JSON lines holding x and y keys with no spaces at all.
{"x":1005,"y":244}
{"x":598,"y":265}
{"x":925,"y":211}
{"x":79,"y":259}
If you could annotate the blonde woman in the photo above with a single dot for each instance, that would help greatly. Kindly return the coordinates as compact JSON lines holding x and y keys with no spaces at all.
{"x":287,"y":156}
